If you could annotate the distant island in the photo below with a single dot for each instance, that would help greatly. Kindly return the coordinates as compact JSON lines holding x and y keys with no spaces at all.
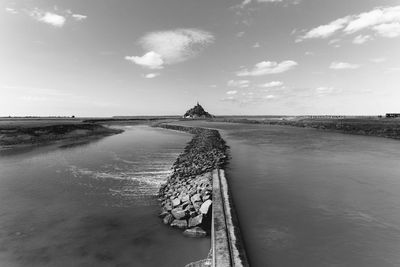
{"x":197,"y":112}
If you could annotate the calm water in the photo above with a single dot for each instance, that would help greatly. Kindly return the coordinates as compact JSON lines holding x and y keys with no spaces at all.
{"x":93,"y":204}
{"x":313,"y":198}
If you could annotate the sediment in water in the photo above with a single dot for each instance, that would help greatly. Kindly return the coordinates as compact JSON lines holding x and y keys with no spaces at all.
{"x":186,"y":198}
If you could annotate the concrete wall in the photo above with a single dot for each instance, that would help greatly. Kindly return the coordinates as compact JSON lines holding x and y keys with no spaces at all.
{"x":227,"y":245}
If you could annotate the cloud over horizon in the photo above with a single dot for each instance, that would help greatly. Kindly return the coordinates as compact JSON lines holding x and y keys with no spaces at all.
{"x":247,"y":2}
{"x":150,"y":60}
{"x":48,"y":17}
{"x":382,"y":21}
{"x":151,"y":75}
{"x":79,"y":17}
{"x":171,"y":47}
{"x":361,"y":39}
{"x":239,"y":83}
{"x":343,"y":66}
{"x":271,"y":84}
{"x":268,"y":67}
{"x":55,"y":17}
{"x":232,"y":92}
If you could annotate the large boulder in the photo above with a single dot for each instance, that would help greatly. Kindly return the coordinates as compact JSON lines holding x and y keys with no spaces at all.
{"x":205,"y":206}
{"x":185,"y":198}
{"x":205,"y":197}
{"x":195,"y":198}
{"x":163,"y":214}
{"x":196,"y":220}
{"x":197,"y":205}
{"x":168,"y":206}
{"x":179,"y":223}
{"x":168,"y":219}
{"x":176,"y":202}
{"x":195,"y":232}
{"x":178,"y":213}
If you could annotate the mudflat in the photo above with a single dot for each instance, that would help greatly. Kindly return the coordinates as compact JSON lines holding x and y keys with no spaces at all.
{"x":20,"y":132}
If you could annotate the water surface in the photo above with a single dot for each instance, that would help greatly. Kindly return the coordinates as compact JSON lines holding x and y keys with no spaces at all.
{"x":308,"y":197}
{"x":92,"y":204}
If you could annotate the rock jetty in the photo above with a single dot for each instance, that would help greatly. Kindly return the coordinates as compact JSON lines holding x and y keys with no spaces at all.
{"x":186,"y":198}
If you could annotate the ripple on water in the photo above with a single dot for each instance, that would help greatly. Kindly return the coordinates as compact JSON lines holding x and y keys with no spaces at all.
{"x":127,"y":181}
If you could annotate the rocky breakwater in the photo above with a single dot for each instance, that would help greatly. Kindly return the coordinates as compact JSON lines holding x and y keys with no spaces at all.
{"x":186,"y":198}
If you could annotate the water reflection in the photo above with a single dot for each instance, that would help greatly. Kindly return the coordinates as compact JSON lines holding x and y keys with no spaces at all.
{"x":314,"y":198}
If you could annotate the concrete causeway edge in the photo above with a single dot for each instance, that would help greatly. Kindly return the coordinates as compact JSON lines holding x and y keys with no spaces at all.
{"x":226,"y":242}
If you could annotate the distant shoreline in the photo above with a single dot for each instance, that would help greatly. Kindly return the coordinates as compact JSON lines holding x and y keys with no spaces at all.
{"x":16,"y":132}
{"x":367,"y":126}
{"x":27,"y":131}
{"x":26,"y":134}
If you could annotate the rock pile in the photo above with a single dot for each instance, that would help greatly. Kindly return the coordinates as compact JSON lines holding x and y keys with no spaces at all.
{"x":186,"y":198}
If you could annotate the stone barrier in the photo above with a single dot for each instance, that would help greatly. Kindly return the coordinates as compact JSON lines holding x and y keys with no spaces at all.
{"x":196,"y":198}
{"x":226,"y":242}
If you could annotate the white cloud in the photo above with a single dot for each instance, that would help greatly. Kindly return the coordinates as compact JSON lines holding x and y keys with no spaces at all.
{"x":56,"y":18}
{"x":388,"y":30}
{"x":247,"y":2}
{"x":150,"y":60}
{"x":244,"y":3}
{"x":343,"y":66}
{"x":325,"y":31}
{"x":360,"y":39}
{"x":268,"y":1}
{"x":48,"y":17}
{"x":79,"y":17}
{"x":239,"y":83}
{"x":271,"y":84}
{"x":230,"y":98}
{"x":372,"y":18}
{"x":257,"y":45}
{"x":151,"y":75}
{"x":233,"y":92}
{"x":240,"y":34}
{"x":176,"y":45}
{"x":378,"y":60}
{"x":269,"y":97}
{"x":324,"y":90}
{"x":383,"y":21}
{"x":268,"y":67}
{"x":11,"y":10}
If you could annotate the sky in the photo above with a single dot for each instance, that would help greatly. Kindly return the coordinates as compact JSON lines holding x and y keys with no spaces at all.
{"x":235,"y":57}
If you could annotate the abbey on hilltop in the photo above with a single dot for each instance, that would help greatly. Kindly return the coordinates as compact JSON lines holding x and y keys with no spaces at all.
{"x":197,"y":112}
